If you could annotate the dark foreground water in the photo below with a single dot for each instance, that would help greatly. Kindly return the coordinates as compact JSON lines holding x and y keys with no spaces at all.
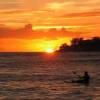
{"x":38,"y":76}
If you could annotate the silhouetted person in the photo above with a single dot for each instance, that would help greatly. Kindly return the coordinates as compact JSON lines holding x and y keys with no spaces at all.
{"x":85,"y":79}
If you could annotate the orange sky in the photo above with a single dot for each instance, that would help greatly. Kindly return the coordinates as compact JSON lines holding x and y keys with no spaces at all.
{"x":81,"y":18}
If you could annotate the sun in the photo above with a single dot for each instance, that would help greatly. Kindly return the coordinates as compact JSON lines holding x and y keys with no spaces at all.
{"x":49,"y":50}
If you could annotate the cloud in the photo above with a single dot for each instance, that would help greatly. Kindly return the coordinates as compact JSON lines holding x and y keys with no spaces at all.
{"x":10,"y":4}
{"x":82,"y":14}
{"x":57,"y":5}
{"x":74,"y":6}
{"x":52,"y":4}
{"x":28,"y":33}
{"x":47,"y":12}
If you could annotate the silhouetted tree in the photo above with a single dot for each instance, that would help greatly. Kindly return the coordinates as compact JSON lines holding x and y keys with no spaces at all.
{"x":80,"y":44}
{"x":64,"y":47}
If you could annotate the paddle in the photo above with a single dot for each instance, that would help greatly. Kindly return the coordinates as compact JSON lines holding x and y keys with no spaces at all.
{"x":71,"y":81}
{"x":74,"y":72}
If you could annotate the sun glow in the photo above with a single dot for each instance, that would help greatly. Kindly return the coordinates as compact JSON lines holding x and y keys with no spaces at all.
{"x":49,"y":50}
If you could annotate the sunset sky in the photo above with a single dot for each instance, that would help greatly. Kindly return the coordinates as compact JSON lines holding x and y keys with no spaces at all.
{"x":38,"y":25}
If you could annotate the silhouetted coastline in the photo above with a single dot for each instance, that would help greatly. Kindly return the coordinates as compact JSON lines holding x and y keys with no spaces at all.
{"x":81,"y":45}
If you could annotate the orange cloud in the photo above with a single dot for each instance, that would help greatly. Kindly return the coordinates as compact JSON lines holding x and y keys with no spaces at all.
{"x":82,"y":14}
{"x":28,"y":33}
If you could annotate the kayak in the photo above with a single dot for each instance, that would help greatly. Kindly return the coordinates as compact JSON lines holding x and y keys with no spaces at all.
{"x":77,"y":81}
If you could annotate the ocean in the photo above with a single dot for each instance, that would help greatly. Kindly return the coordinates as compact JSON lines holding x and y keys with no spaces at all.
{"x":42,"y":76}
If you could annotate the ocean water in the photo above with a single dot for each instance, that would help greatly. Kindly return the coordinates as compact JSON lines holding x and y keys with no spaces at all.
{"x":41,"y":76}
